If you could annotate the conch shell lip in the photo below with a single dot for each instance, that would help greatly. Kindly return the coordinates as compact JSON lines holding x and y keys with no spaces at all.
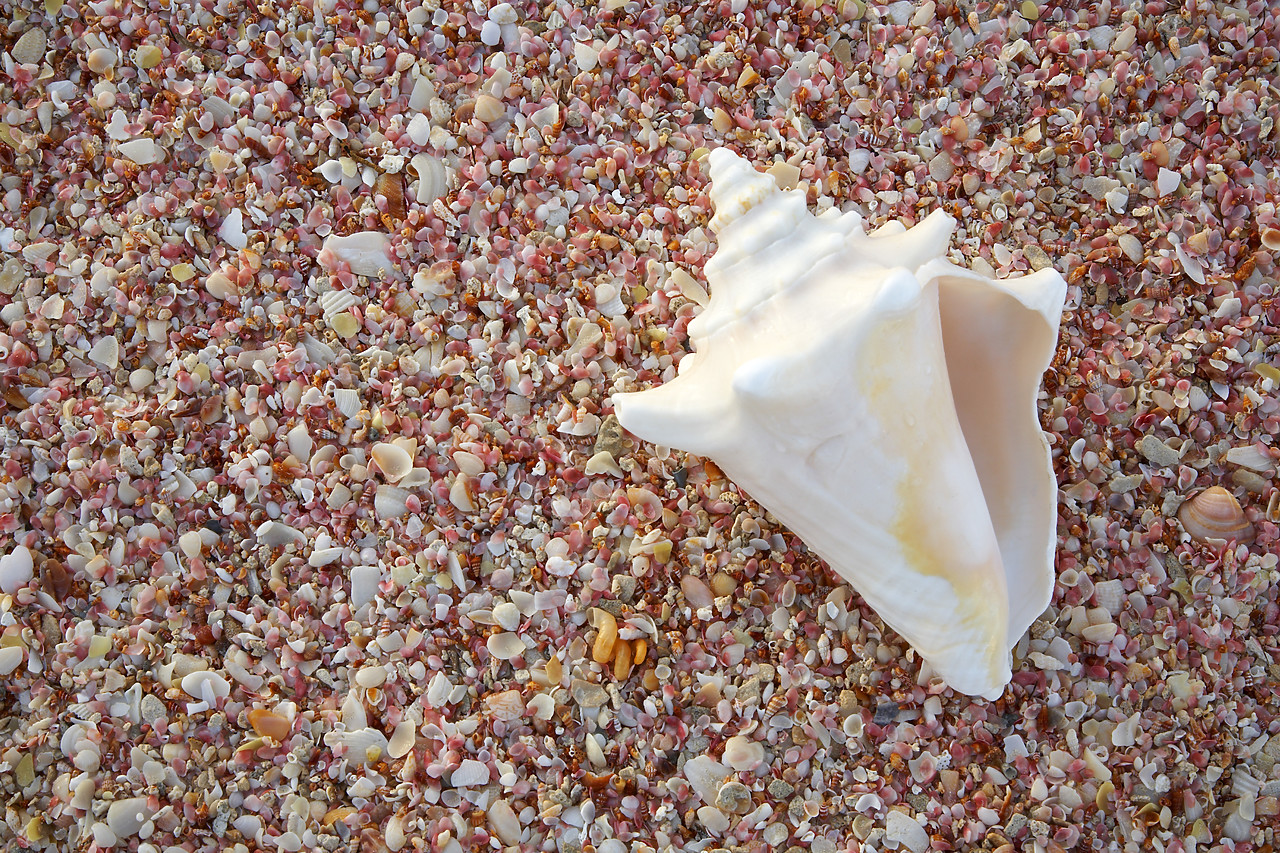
{"x":881,"y":402}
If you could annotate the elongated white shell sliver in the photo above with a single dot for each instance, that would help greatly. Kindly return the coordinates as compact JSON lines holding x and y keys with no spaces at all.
{"x":880,"y":402}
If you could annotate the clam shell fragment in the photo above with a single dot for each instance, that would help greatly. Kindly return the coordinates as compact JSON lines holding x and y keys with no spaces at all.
{"x":393,"y":460}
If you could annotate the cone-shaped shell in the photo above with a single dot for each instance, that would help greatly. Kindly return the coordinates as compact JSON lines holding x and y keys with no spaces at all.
{"x":881,"y":403}
{"x":1216,"y":514}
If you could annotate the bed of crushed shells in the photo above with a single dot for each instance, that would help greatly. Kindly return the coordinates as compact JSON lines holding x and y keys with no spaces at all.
{"x":321,"y":543}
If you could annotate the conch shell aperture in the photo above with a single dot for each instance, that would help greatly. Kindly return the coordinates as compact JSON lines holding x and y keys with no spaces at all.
{"x":881,"y":402}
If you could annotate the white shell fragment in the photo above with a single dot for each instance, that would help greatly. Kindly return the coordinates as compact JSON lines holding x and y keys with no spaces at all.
{"x":142,"y":151}
{"x":433,"y":176}
{"x":393,"y":460}
{"x":366,"y":252}
{"x":232,"y":228}
{"x":16,"y":569}
{"x":106,"y":353}
{"x":206,"y":685}
{"x":126,"y":817}
{"x":880,"y":401}
{"x":469,"y":774}
{"x":364,"y":584}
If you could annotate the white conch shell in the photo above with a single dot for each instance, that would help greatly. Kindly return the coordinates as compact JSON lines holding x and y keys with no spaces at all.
{"x":880,"y":402}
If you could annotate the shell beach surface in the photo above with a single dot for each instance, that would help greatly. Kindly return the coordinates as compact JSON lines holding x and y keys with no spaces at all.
{"x":317,"y":528}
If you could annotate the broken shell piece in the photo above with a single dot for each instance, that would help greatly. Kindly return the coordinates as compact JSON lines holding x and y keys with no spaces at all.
{"x":1271,"y":239}
{"x":460,"y":494}
{"x":269,"y":724}
{"x":232,"y":228}
{"x":363,"y":745}
{"x":368,"y":253}
{"x":393,"y":461}
{"x":391,"y":502}
{"x":206,"y":685}
{"x":106,"y":352}
{"x":336,"y":302}
{"x":218,"y":285}
{"x":1216,"y":514}
{"x":743,"y":754}
{"x":144,"y":152}
{"x":433,"y":177}
{"x":391,"y":187}
{"x":506,"y":706}
{"x":16,"y":569}
{"x":603,"y":463}
{"x":609,"y":299}
{"x":402,"y":739}
{"x":881,"y":402}
{"x":347,"y":401}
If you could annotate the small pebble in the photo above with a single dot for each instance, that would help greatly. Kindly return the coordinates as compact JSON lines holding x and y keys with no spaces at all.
{"x":734,"y":798}
{"x":29,"y":49}
{"x":886,"y":713}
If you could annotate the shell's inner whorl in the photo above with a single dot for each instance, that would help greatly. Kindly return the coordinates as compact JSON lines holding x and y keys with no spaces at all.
{"x":880,"y":401}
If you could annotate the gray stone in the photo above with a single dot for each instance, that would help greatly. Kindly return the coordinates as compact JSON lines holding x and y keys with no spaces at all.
{"x":1098,"y":186}
{"x":734,"y":798}
{"x":1014,"y":825}
{"x":152,"y":709}
{"x":1037,"y":257}
{"x":611,"y":438}
{"x":1121,"y":484}
{"x":624,"y":587}
{"x":779,"y":790}
{"x":1157,"y":452}
{"x":588,"y":695}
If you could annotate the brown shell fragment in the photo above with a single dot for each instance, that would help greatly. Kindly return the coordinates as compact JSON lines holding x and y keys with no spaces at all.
{"x":391,"y":186}
{"x":1271,"y":239}
{"x":55,"y":579}
{"x":1216,"y":514}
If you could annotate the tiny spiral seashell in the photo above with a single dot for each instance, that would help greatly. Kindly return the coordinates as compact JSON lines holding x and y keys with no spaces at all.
{"x":1216,"y":514}
{"x":775,"y":705}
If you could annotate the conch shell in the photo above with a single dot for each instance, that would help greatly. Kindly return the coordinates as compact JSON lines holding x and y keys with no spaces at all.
{"x":880,"y":402}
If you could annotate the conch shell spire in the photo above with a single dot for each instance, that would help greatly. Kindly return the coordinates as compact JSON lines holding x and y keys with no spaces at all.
{"x":735,"y":187}
{"x":880,"y":401}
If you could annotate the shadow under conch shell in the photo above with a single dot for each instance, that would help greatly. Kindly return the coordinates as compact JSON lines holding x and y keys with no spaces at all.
{"x":881,"y":402}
